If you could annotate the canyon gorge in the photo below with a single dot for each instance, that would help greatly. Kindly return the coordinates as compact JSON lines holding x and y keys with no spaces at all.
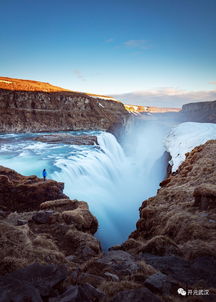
{"x":111,"y":223}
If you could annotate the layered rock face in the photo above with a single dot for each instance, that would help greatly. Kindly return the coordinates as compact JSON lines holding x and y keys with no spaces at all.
{"x":50,"y":254}
{"x":38,"y":223}
{"x":200,"y":112}
{"x":43,"y":109}
{"x":20,"y":193}
{"x":176,"y":231}
{"x":181,"y":218}
{"x":173,"y":246}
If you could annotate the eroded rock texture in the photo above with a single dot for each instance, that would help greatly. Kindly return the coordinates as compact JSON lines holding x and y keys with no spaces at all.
{"x":181,"y":218}
{"x":24,"y":108}
{"x":173,"y":246}
{"x":25,"y":193}
{"x":67,"y":139}
{"x":176,"y":232}
{"x":200,"y":112}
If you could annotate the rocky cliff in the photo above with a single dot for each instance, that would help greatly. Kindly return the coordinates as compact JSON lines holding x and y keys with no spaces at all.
{"x":200,"y":112}
{"x":176,"y":230}
{"x":20,"y":193}
{"x":38,"y":223}
{"x":181,"y":217}
{"x":30,"y":106}
{"x":49,"y":253}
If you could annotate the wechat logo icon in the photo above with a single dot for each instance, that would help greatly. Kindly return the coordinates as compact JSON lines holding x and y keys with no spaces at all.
{"x":182,"y":292}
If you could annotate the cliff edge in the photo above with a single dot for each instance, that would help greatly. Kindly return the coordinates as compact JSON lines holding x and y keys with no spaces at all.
{"x":181,"y":218}
{"x":200,"y":112}
{"x":31,"y":106}
{"x":176,"y":232}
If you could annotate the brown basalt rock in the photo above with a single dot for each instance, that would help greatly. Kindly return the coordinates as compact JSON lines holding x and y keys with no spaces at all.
{"x":115,"y":262}
{"x":111,"y":277}
{"x":131,"y":245}
{"x":136,"y":295}
{"x":73,"y":212}
{"x":181,"y":218}
{"x":188,"y":272}
{"x":59,"y":204}
{"x":80,"y":293}
{"x":49,"y":235}
{"x":83,"y":245}
{"x":205,"y":197}
{"x":62,"y":205}
{"x":4,"y":214}
{"x":45,"y":238}
{"x":161,"y":245}
{"x":30,"y":106}
{"x":68,"y":139}
{"x":20,"y":247}
{"x":44,"y":217}
{"x":82,"y":219}
{"x":158,"y":245}
{"x":69,"y":224}
{"x":79,"y":277}
{"x":160,"y":283}
{"x":26,"y":193}
{"x":32,"y":283}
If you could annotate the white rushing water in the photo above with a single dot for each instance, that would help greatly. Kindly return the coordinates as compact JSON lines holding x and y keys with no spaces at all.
{"x":114,"y":180}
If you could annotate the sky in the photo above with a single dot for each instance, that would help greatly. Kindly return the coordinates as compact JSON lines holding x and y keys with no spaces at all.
{"x":115,"y":47}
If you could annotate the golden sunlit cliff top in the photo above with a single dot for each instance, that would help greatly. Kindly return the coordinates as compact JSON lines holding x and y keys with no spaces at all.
{"x":141,"y":109}
{"x":29,"y":85}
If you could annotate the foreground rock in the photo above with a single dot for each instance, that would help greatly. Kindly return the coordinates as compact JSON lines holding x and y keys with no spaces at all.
{"x":37,"y":226}
{"x":25,"y":193}
{"x":119,"y":263}
{"x":32,"y":283}
{"x":173,"y":246}
{"x":45,"y":236}
{"x":79,"y":293}
{"x":184,"y":271}
{"x":68,"y":139}
{"x":137,"y":295}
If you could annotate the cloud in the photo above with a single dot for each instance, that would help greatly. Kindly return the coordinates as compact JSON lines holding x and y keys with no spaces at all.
{"x":166,"y":97}
{"x":79,"y":75}
{"x":212,"y":83}
{"x":138,"y":44}
{"x":110,"y":40}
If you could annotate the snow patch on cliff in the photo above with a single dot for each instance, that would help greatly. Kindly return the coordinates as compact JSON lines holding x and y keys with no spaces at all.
{"x":185,"y":137}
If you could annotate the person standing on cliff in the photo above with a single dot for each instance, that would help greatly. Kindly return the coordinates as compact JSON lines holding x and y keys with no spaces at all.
{"x":44,"y":174}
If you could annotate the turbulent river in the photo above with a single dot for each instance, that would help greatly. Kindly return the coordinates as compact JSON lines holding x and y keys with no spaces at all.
{"x":114,"y":179}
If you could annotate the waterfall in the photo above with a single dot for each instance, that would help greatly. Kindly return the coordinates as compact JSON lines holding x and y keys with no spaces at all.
{"x":115,"y":179}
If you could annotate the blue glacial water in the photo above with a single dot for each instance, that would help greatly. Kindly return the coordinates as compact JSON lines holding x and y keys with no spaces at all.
{"x":114,"y":179}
